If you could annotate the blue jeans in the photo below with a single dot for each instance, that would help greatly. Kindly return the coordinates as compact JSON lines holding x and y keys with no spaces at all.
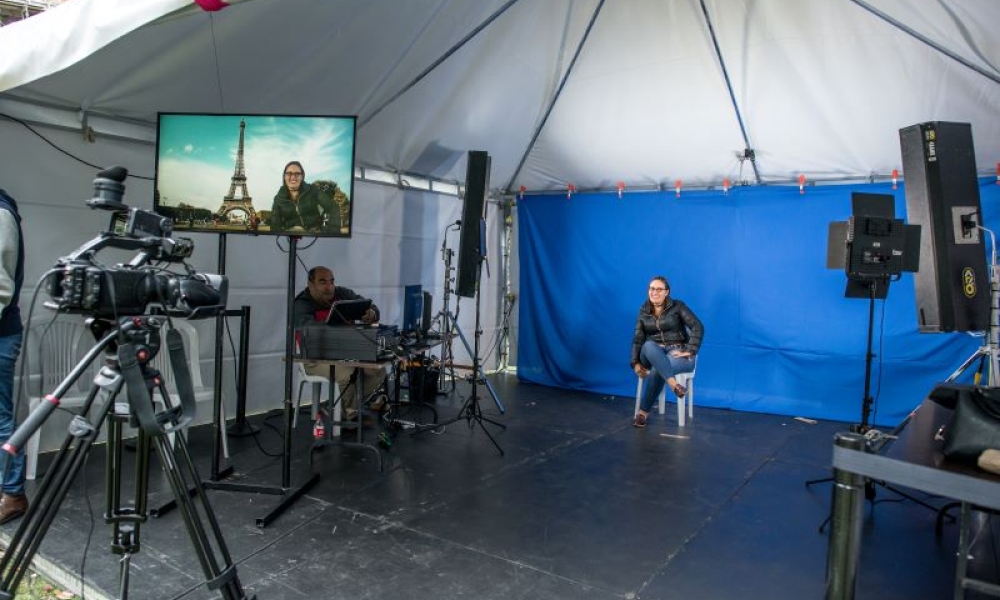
{"x":663,"y":365}
{"x":13,"y":466}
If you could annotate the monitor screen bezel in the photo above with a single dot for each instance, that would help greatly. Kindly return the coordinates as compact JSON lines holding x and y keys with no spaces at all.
{"x":413,"y":297}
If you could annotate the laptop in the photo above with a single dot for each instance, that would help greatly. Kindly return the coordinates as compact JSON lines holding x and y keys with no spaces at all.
{"x":348,"y":311}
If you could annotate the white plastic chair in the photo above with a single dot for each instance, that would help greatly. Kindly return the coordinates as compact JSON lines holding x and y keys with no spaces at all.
{"x":55,"y":349}
{"x":685,"y":379}
{"x":54,"y":346}
{"x":317,"y":381}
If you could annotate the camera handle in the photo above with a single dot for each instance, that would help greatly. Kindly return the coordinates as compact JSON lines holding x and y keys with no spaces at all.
{"x":216,"y":562}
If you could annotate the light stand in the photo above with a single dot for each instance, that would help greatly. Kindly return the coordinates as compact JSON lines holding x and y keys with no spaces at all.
{"x":867,"y":401}
{"x":872,"y":248}
{"x":864,"y":427}
{"x":449,"y":328}
{"x":471,"y":411}
{"x":477,"y":368}
{"x":446,"y":321}
{"x":129,"y":352}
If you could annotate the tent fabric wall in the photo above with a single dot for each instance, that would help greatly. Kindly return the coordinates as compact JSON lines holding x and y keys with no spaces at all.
{"x":780,"y":337}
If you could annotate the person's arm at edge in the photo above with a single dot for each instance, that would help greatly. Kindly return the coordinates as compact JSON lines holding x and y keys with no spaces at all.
{"x":8,"y":257}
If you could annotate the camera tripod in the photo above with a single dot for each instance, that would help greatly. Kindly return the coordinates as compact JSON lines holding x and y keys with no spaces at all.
{"x":128,"y":347}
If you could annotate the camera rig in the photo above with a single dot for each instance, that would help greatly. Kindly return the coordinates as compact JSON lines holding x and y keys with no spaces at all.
{"x":80,"y":284}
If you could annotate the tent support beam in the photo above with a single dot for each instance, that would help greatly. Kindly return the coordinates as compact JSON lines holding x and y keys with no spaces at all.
{"x":555,"y":97}
{"x":75,"y":118}
{"x":732,"y":96}
{"x":846,"y":179}
{"x":917,"y":35}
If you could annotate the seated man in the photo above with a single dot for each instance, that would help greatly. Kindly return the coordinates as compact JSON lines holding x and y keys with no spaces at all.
{"x":313,"y":304}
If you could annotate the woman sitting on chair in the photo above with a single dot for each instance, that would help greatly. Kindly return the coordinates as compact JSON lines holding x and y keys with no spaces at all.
{"x":667,"y":338}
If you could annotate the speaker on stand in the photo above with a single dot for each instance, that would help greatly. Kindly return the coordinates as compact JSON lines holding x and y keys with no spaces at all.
{"x":942,"y":196}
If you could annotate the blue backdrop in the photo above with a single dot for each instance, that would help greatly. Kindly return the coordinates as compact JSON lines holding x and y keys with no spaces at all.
{"x":780,"y":337}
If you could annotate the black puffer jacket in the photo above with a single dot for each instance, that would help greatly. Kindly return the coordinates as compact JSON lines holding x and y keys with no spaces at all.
{"x":308,"y":212}
{"x":675,"y":325}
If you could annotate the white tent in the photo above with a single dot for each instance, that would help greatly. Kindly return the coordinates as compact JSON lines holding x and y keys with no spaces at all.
{"x":587,"y":93}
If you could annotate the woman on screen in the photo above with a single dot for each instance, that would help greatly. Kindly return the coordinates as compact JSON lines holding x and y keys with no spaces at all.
{"x":299,"y":206}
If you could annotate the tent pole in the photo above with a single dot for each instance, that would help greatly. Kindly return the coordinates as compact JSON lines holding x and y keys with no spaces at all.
{"x":436,"y":63}
{"x":507,"y":295}
{"x":914,"y":33}
{"x":555,"y":97}
{"x":732,"y":96}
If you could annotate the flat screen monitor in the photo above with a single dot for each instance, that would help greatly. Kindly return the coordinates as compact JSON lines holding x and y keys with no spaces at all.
{"x":347,"y":311}
{"x":413,"y":298}
{"x":256,"y":174}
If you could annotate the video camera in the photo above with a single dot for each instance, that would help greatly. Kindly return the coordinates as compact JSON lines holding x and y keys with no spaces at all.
{"x":78,"y":283}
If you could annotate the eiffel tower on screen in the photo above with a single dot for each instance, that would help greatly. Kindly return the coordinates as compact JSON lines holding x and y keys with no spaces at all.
{"x":241,"y":202}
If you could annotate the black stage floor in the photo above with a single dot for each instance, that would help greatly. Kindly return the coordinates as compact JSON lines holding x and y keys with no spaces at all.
{"x":582,"y":506}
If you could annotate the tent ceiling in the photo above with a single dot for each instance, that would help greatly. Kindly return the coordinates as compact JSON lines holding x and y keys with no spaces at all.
{"x":821,"y":86}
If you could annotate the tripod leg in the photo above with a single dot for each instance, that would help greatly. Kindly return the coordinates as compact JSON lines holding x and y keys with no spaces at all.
{"x":181,"y":474}
{"x":51,"y":493}
{"x":124,"y":568}
{"x":125,"y":520}
{"x":909,"y":497}
{"x":446,"y":381}
{"x":479,"y":421}
{"x":478,"y":375}
{"x":815,"y":481}
{"x":491,"y":422}
{"x":474,"y":414}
